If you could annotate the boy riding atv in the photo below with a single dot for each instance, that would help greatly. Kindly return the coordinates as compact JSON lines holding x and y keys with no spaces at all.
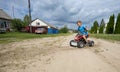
{"x":82,"y":30}
{"x":80,"y":39}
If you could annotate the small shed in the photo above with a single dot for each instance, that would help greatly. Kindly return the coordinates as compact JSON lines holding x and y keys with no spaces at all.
{"x":38,"y":23}
{"x":5,"y":21}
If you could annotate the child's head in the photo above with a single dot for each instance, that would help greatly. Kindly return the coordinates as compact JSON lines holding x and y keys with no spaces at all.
{"x":79,"y":23}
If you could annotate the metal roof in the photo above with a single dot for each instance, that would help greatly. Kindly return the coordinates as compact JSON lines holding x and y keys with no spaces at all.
{"x":4,"y":15}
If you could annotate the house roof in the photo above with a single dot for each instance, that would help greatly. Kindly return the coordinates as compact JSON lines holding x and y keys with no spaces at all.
{"x":4,"y":15}
{"x":45,"y":23}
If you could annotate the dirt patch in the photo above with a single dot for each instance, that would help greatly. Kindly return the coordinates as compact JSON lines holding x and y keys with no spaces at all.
{"x":55,"y":55}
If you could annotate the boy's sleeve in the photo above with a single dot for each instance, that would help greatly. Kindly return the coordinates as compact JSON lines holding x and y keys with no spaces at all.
{"x":78,"y":28}
{"x":84,"y":27}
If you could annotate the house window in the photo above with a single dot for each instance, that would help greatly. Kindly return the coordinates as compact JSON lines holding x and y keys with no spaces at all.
{"x":38,"y":23}
{"x":2,"y":25}
{"x":5,"y":24}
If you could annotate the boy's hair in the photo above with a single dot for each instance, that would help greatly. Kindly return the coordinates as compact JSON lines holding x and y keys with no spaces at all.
{"x":79,"y":21}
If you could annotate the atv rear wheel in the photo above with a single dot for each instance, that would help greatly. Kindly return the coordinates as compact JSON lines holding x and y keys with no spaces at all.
{"x":80,"y":44}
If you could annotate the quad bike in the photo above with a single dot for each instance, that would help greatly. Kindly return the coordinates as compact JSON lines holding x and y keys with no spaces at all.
{"x":80,"y":42}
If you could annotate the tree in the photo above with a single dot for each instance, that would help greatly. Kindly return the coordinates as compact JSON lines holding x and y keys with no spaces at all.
{"x":94,"y":28}
{"x":64,"y":30}
{"x":117,"y":27}
{"x":17,"y":24}
{"x":26,"y":20}
{"x":110,"y":25}
{"x":102,"y":26}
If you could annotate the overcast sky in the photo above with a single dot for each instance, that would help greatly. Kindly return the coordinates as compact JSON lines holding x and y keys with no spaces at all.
{"x":64,"y":12}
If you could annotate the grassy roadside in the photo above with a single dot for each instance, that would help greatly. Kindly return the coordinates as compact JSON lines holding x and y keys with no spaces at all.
{"x":18,"y":36}
{"x":114,"y":37}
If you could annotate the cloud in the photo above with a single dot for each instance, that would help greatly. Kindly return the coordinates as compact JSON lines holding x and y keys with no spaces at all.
{"x":64,"y":12}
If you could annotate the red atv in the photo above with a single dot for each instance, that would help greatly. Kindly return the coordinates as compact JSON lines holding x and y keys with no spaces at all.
{"x":80,"y":42}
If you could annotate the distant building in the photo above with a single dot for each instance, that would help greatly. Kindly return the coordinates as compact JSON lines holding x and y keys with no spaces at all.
{"x":5,"y":21}
{"x":71,"y":31}
{"x":40,"y":26}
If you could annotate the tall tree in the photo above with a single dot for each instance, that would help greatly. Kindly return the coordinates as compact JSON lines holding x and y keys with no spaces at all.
{"x":27,"y":19}
{"x":110,"y":25}
{"x":102,"y":26}
{"x":94,"y":28}
{"x":117,"y":27}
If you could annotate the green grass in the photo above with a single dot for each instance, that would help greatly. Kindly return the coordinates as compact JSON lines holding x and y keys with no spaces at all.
{"x":18,"y":36}
{"x":114,"y":37}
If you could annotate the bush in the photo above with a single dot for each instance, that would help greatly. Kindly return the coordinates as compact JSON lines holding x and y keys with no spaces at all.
{"x":64,"y":30}
{"x":17,"y":24}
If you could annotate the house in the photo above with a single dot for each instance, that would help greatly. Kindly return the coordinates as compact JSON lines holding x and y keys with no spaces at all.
{"x":5,"y":21}
{"x":42,"y":26}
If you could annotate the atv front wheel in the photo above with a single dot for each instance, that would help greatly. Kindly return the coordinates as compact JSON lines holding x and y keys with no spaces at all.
{"x":73,"y":43}
{"x":80,"y":44}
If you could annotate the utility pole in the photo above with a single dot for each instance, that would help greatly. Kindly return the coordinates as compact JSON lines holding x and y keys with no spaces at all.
{"x":13,"y":11}
{"x":29,"y":8}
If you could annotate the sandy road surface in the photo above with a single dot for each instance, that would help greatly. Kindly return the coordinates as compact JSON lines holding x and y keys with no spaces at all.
{"x":55,"y":55}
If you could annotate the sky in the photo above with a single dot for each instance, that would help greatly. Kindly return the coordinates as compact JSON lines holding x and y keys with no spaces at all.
{"x":63,"y":12}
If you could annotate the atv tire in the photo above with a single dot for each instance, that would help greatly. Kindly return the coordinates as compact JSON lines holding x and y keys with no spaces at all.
{"x":71,"y":43}
{"x":91,"y":44}
{"x":80,"y":44}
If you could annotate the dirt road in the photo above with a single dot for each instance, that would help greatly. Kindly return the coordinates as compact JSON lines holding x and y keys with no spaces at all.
{"x":54,"y":54}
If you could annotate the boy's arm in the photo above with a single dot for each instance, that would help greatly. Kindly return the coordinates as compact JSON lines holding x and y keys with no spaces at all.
{"x":86,"y":28}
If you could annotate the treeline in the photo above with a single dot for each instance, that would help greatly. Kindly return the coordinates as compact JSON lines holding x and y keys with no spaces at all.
{"x":110,"y":28}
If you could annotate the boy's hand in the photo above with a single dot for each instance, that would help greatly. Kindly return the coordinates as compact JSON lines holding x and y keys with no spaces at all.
{"x":86,"y":28}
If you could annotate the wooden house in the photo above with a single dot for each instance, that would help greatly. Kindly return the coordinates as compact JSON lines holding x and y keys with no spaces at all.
{"x":5,"y":21}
